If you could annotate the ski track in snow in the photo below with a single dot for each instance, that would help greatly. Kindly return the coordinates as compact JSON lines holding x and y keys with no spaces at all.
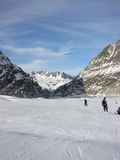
{"x":58,"y":129}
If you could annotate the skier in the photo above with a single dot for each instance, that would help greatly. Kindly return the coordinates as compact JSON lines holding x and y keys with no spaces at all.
{"x":105,"y":105}
{"x":118,"y":111}
{"x":85,"y":102}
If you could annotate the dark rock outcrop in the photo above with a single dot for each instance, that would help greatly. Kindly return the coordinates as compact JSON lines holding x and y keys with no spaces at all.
{"x":15,"y":82}
{"x":73,"y":88}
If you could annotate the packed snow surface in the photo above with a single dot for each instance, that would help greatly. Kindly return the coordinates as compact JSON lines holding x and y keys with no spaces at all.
{"x":58,"y":129}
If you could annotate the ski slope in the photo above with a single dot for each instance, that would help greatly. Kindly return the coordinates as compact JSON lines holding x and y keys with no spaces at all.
{"x":58,"y":129}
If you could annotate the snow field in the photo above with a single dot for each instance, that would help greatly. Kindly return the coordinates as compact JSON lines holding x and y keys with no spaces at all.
{"x":58,"y":129}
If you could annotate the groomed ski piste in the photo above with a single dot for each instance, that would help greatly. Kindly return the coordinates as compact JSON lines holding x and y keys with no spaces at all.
{"x":59,"y":129}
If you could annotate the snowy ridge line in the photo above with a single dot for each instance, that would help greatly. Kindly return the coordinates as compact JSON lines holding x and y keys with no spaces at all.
{"x":102,"y":71}
{"x":51,"y":80}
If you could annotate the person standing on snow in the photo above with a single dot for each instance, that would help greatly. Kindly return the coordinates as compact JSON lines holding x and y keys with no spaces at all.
{"x":105,"y":105}
{"x":85,"y":102}
{"x":118,"y":111}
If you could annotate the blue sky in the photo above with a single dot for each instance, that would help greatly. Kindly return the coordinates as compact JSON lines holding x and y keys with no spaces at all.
{"x":57,"y":35}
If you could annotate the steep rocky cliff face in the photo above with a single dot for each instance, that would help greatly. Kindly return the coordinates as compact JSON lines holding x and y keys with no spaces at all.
{"x":102,"y":75}
{"x":15,"y":82}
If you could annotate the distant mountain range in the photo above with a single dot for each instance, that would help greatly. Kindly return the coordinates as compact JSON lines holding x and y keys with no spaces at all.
{"x":59,"y":84}
{"x":15,"y":82}
{"x":100,"y":77}
{"x":51,"y":80}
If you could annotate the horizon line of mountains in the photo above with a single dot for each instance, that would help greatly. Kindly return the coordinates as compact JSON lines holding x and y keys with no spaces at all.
{"x":100,"y":77}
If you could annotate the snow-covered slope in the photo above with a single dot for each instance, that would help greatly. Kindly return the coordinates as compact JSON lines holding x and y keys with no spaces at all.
{"x":51,"y":80}
{"x":58,"y":129}
{"x":102,"y":76}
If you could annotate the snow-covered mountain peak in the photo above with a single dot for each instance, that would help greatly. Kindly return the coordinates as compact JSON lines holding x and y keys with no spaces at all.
{"x":102,"y":75}
{"x":110,"y":56}
{"x":51,"y":80}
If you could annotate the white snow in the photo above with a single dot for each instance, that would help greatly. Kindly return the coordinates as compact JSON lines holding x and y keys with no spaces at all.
{"x":106,"y":69}
{"x":50,"y":81}
{"x":19,"y":76}
{"x":112,"y":50}
{"x":58,"y":129}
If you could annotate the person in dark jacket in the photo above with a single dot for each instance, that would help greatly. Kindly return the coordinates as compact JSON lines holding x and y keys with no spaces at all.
{"x":85,"y":102}
{"x":105,"y":105}
{"x":118,"y":111}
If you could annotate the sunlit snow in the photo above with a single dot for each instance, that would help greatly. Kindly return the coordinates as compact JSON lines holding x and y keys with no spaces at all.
{"x":58,"y":129}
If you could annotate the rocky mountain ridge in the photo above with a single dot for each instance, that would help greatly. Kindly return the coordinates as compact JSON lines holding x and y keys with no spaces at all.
{"x":102,"y":75}
{"x":51,"y":80}
{"x":15,"y":82}
{"x":73,"y":88}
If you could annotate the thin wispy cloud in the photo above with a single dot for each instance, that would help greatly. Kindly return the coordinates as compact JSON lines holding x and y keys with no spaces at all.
{"x":38,"y":52}
{"x":35,"y":65}
{"x":53,"y":29}
{"x":13,"y":12}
